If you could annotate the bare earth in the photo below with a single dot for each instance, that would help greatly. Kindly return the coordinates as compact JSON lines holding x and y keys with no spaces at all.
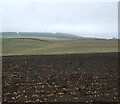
{"x":61,"y":78}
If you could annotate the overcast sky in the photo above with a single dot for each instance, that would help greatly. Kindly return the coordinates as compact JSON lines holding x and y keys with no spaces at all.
{"x":83,"y":18}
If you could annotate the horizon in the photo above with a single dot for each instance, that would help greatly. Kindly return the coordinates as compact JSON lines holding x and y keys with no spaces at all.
{"x":60,"y":33}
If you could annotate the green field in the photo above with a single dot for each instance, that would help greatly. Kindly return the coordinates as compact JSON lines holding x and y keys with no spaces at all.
{"x":17,"y":46}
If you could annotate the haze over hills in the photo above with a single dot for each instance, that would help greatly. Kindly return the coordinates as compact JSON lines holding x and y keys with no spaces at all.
{"x":41,"y":35}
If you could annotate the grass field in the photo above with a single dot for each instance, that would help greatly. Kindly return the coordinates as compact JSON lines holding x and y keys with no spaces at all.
{"x":29,"y":46}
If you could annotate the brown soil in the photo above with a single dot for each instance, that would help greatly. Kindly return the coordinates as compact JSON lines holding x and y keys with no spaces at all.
{"x":61,"y":78}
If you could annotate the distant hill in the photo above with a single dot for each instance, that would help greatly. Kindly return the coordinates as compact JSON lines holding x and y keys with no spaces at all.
{"x":49,"y":35}
{"x":8,"y":33}
{"x":41,"y":35}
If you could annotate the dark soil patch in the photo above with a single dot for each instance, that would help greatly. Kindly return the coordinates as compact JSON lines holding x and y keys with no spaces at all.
{"x":61,"y":78}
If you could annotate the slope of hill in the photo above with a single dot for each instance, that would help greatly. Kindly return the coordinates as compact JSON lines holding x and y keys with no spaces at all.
{"x":31,"y":46}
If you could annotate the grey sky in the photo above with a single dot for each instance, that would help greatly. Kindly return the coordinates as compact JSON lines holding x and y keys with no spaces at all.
{"x":83,"y":18}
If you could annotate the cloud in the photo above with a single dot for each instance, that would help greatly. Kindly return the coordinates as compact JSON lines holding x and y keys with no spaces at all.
{"x":83,"y":18}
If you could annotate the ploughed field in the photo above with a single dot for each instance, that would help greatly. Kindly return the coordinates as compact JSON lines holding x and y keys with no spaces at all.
{"x":61,"y":78}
